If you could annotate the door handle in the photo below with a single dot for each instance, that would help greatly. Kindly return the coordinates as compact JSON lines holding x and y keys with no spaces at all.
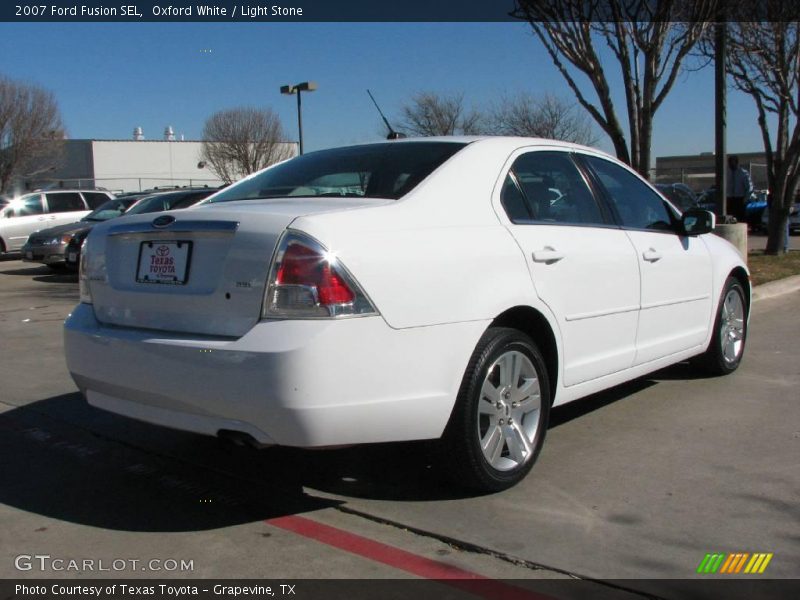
{"x":547,"y":255}
{"x":651,"y":255}
{"x":41,"y":218}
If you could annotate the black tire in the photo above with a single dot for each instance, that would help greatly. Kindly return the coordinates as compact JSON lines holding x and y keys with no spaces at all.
{"x":461,"y":444}
{"x":715,"y":361}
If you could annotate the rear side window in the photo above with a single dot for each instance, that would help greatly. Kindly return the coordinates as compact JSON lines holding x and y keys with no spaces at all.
{"x":551,"y":189}
{"x":94,"y":199}
{"x":514,"y":201}
{"x":638,"y":206}
{"x":64,"y":202}
{"x":388,"y":170}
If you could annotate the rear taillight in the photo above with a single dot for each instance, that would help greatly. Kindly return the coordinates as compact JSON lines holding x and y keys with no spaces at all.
{"x":83,"y":277}
{"x":308,"y":281}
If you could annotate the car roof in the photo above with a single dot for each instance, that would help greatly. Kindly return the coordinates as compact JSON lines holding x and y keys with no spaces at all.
{"x":510,"y":141}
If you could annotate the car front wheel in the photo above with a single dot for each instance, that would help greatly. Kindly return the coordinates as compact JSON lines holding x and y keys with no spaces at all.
{"x":726,"y":348}
{"x":499,"y":421}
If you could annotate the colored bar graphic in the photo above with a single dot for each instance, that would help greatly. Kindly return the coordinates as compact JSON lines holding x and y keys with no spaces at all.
{"x":727,"y":565}
{"x":711,"y":563}
{"x":734,"y":563}
{"x":763,"y":567}
{"x":740,"y":564}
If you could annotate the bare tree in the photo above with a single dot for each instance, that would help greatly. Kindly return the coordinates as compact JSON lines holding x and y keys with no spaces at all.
{"x":547,"y":117}
{"x":764,"y":62}
{"x":240,"y":141}
{"x":31,"y":131}
{"x":430,"y":114}
{"x":649,"y":40}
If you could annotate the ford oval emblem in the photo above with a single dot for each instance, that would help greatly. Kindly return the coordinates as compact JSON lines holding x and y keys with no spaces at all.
{"x":163,"y":221}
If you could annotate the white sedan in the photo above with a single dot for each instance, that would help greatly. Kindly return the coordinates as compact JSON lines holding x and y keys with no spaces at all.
{"x":451,"y":288}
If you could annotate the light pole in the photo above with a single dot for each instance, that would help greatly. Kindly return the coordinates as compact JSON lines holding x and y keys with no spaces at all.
{"x":306,"y":86}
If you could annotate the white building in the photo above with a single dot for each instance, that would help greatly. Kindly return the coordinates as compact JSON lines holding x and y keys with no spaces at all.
{"x":130,"y":165}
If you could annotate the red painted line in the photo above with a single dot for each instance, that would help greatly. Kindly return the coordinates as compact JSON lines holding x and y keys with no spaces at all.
{"x":420,"y":566}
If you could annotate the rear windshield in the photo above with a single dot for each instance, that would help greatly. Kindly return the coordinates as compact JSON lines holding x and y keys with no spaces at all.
{"x":388,"y":170}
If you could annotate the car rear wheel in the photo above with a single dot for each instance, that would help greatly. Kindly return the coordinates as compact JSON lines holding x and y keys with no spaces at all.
{"x":499,"y":421}
{"x":725,"y":351}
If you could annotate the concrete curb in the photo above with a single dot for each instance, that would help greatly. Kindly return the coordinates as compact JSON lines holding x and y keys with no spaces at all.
{"x":776,"y":288}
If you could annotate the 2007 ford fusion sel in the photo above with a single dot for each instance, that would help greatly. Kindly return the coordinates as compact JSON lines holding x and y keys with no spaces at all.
{"x":451,"y":288}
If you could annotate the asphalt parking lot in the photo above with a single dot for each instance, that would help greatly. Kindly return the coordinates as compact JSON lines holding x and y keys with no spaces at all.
{"x":635,"y":483}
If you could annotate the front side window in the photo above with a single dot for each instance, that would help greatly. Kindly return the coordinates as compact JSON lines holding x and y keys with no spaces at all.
{"x":388,"y":170}
{"x":638,"y":206}
{"x":64,"y":202}
{"x":549,"y":188}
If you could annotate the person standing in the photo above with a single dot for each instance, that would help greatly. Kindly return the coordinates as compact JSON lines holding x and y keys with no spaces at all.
{"x":740,"y":187}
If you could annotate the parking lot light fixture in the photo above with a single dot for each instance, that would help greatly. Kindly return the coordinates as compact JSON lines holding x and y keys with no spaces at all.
{"x":306,"y":86}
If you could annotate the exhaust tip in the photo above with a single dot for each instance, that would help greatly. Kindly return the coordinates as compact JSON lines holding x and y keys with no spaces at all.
{"x":240,"y":438}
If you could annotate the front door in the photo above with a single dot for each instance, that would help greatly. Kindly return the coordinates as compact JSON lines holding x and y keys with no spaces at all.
{"x":676,"y":302}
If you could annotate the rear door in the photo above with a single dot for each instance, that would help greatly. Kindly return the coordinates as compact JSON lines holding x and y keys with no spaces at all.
{"x":676,"y":303}
{"x":65,"y":207}
{"x":582,"y":265}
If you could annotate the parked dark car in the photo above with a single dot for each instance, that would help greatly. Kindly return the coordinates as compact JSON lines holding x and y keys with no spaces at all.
{"x":754,"y":207}
{"x":707,"y":199}
{"x":49,"y":246}
{"x":794,"y":219}
{"x":681,"y":195}
{"x":142,"y":204}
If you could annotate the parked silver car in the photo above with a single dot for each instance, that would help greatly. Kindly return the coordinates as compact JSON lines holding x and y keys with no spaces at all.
{"x":48,"y":246}
{"x":31,"y":212}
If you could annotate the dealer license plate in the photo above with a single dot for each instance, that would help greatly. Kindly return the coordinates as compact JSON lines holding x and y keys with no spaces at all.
{"x":164,"y":262}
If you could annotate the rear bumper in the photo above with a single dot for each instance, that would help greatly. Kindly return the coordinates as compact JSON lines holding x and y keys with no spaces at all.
{"x":293,"y":383}
{"x":47,"y":255}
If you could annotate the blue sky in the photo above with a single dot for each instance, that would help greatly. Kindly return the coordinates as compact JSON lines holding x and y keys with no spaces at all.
{"x":110,"y":78}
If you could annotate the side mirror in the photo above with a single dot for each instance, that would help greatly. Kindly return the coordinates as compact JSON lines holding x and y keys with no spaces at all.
{"x":696,"y":221}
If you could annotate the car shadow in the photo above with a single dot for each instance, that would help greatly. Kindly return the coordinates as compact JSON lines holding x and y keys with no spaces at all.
{"x":44,"y":274}
{"x":578,"y":408}
{"x":58,"y":277}
{"x":65,"y":460}
{"x":27,"y":271}
{"x":683,"y":371}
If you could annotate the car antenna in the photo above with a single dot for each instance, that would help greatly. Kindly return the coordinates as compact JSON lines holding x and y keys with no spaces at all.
{"x":393,"y":135}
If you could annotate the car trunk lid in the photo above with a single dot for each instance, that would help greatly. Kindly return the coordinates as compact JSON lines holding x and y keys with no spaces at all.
{"x":203,"y":271}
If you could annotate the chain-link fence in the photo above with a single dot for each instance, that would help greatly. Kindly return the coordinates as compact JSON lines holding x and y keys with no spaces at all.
{"x":703,"y":177}
{"x":123,"y":184}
